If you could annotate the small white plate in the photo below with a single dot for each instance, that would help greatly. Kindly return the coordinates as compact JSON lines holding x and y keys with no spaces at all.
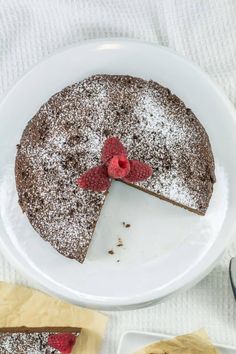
{"x":166,"y":248}
{"x":132,"y":341}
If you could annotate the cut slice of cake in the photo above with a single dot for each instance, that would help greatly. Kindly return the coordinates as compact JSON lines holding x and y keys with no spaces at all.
{"x":23,"y":340}
{"x":30,"y":317}
{"x":65,"y":138}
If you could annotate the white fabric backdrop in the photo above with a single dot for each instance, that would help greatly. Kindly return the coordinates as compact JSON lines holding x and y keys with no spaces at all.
{"x":201,"y":30}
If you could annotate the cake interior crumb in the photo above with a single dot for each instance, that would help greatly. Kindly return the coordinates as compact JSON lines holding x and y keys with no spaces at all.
{"x":120,"y":242}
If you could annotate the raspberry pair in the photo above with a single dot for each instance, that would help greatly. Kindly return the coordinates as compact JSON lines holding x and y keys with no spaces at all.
{"x":116,"y":165}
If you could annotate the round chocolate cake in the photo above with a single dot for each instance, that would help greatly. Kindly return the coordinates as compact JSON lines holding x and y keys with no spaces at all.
{"x":65,"y":138}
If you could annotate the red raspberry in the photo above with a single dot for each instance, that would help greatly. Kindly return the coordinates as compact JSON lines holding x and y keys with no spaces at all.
{"x":95,"y":179}
{"x":118,"y":167}
{"x":139,"y":171}
{"x":112,"y":147}
{"x":63,"y":342}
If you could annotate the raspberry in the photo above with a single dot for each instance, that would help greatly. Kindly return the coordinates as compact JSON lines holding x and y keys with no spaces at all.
{"x":119,"y":166}
{"x":112,"y":147}
{"x":63,"y":342}
{"x":139,"y":171}
{"x":95,"y":179}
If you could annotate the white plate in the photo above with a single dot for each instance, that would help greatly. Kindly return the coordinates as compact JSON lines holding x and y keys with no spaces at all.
{"x":166,"y":248}
{"x":134,"y":340}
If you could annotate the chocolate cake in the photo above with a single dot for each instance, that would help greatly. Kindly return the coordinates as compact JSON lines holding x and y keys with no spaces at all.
{"x":66,"y":136}
{"x":28,"y":341}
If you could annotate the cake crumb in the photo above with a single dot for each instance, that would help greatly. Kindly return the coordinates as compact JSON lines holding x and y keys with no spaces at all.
{"x":111,"y":252}
{"x":120,"y":242}
{"x":125,"y":225}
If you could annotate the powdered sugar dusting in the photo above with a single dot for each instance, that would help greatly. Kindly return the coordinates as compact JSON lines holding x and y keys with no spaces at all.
{"x":65,"y":139}
{"x":171,"y":136}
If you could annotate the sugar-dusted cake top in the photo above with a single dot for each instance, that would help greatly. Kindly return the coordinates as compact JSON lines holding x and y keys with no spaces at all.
{"x":28,"y":343}
{"x":65,"y":138}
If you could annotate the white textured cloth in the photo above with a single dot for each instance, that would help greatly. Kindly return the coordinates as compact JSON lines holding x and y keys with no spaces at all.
{"x":203,"y":31}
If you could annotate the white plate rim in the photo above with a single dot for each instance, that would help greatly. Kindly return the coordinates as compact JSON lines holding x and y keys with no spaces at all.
{"x":147,"y":298}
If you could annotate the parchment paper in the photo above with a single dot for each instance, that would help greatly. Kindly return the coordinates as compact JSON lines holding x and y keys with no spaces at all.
{"x":21,"y":306}
{"x":194,"y":343}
